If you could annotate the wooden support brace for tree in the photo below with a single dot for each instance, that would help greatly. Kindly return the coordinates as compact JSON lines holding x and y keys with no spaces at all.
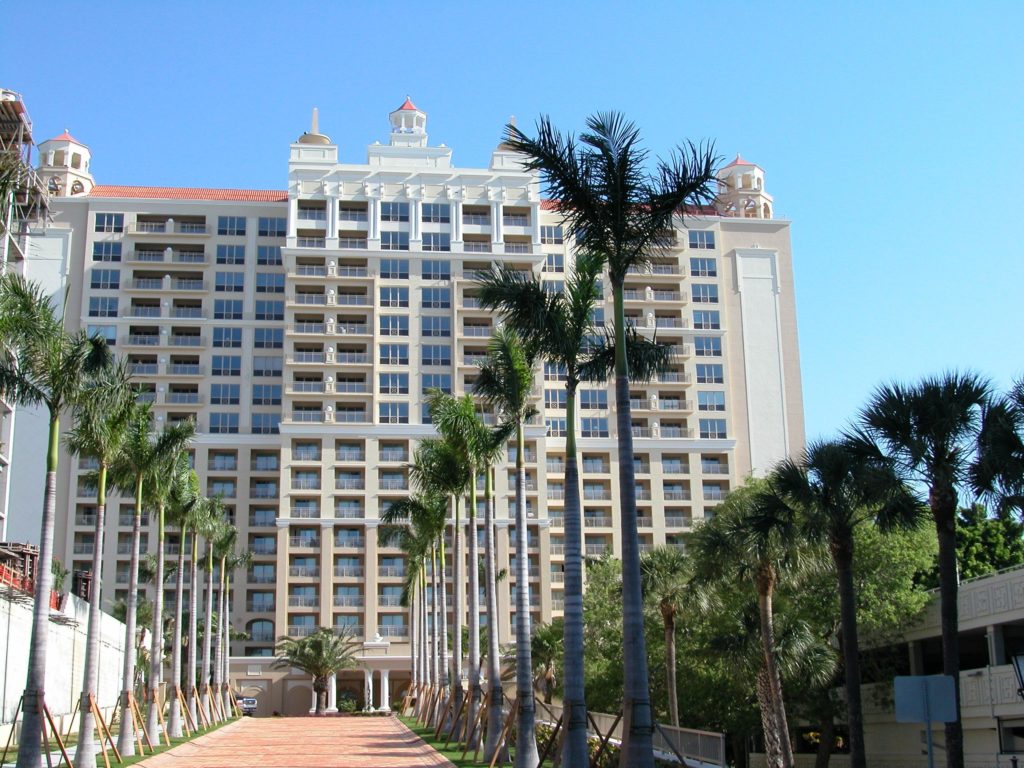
{"x":596,"y":759}
{"x":555,"y":733}
{"x":505,"y":731}
{"x":448,"y":704}
{"x":658,"y":729}
{"x":14,"y":723}
{"x":160,"y":718}
{"x":71,"y":720}
{"x":56,"y":733}
{"x":455,"y":722}
{"x":186,"y":716}
{"x":480,"y":716}
{"x":199,"y":708}
{"x":103,"y":732}
{"x":139,"y":724}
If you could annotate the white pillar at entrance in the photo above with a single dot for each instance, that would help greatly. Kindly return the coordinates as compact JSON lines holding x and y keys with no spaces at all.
{"x":368,"y":689}
{"x":385,"y":690}
{"x":332,"y":693}
{"x":312,"y":707}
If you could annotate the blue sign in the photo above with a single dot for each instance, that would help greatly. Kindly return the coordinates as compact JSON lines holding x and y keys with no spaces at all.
{"x":925,"y":699}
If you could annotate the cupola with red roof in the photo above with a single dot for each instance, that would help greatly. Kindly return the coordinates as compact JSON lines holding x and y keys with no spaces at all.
{"x":64,"y":166}
{"x":741,"y":192}
{"x":408,"y":125}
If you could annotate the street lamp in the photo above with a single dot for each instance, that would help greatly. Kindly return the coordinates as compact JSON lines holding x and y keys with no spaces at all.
{"x":1018,"y":667}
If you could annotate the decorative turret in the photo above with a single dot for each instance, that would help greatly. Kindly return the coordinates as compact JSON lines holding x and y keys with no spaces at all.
{"x":408,"y":126}
{"x":741,"y":191}
{"x":64,"y":166}
{"x":314,"y":136}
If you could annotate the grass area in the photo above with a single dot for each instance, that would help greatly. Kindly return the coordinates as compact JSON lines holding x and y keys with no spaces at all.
{"x":453,"y":753}
{"x":158,"y":748}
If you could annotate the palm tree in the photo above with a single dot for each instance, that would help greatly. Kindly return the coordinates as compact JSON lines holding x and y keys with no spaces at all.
{"x":234,"y":561}
{"x":834,"y":489}
{"x":214,"y":531}
{"x":506,"y":383}
{"x":41,"y":364}
{"x":754,"y":539}
{"x":320,"y":655}
{"x":619,"y":212}
{"x":202,"y":522}
{"x":548,"y":651}
{"x":998,"y":474}
{"x":101,"y":426}
{"x":224,"y":552}
{"x":930,"y":431}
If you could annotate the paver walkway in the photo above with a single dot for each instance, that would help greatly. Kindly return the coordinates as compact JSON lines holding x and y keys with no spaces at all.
{"x":304,"y":742}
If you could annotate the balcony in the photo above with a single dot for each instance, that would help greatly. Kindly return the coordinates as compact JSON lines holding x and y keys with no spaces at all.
{"x":392,"y":630}
{"x":355,"y":328}
{"x":389,"y":601}
{"x":262,"y":637}
{"x":303,"y":601}
{"x":263,"y":491}
{"x":676,"y":494}
{"x":308,"y":416}
{"x":348,"y":601}
{"x":304,"y":571}
{"x":301,"y":630}
{"x":143,"y":369}
{"x":677,"y":521}
{"x":306,"y":483}
{"x":183,"y":398}
{"x":597,"y":494}
{"x":348,"y":511}
{"x":352,"y":454}
{"x":259,"y":606}
{"x":306,"y":513}
{"x":350,"y":542}
{"x":184,"y":369}
{"x":262,"y":547}
{"x":348,"y":571}
{"x":261,"y":578}
{"x":143,"y":339}
{"x":303,"y":541}
{"x":391,"y":571}
{"x":349,"y":483}
{"x":597,"y":521}
{"x":394,"y":484}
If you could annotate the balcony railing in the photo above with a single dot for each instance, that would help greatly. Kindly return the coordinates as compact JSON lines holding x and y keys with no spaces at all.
{"x":350,"y":542}
{"x":348,"y":601}
{"x":348,"y":571}
{"x":303,"y":541}
{"x":303,"y":601}
{"x":301,"y":630}
{"x":304,"y":571}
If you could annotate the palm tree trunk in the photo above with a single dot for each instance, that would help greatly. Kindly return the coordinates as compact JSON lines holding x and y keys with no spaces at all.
{"x":208,"y":639}
{"x":414,"y":674}
{"x":126,"y":733}
{"x":225,"y":638}
{"x":827,"y":739}
{"x":943,"y":501}
{"x":575,"y":749}
{"x":778,"y":705}
{"x":218,"y":645}
{"x":443,"y":628}
{"x":842,"y":554}
{"x":638,"y":718}
{"x":458,"y":560}
{"x":156,"y":647}
{"x":526,"y":736}
{"x":174,"y":717}
{"x":668,"y":615}
{"x":85,"y":756}
{"x":30,"y":750}
{"x":475,"y":691}
{"x":769,"y":724}
{"x":193,"y":628}
{"x":435,"y":633}
{"x":495,"y":700}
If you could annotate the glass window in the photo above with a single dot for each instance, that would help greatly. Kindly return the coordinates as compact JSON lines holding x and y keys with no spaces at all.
{"x":266,"y":365}
{"x":591,"y":399}
{"x":434,"y":269}
{"x":272,"y":227}
{"x":394,"y":354}
{"x":266,"y":394}
{"x":437,"y":212}
{"x":437,"y":241}
{"x":441,"y":381}
{"x":711,"y":401}
{"x":554,"y":262}
{"x":269,"y":256}
{"x":705,"y":294}
{"x":555,"y":427}
{"x":394,"y":383}
{"x":269,"y":282}
{"x":703,"y":267}
{"x":110,"y":222}
{"x":554,"y":372}
{"x":266,"y":423}
{"x":107,"y":332}
{"x":554,"y":286}
{"x":437,"y":354}
{"x":437,"y":298}
{"x":225,"y":394}
{"x":555,"y":398}
{"x":227,"y":309}
{"x":106,"y":251}
{"x":224,"y":423}
{"x":226,"y":365}
{"x":394,"y":269}
{"x":394,"y":413}
{"x":231,"y":254}
{"x":394,"y":297}
{"x":105,"y":279}
{"x":268,"y":338}
{"x":394,"y":211}
{"x":551,"y":235}
{"x":437,"y":326}
{"x":227,"y":337}
{"x":230,"y":225}
{"x":229,"y":282}
{"x":702,"y":238}
{"x":269,"y":310}
{"x":709,"y":373}
{"x":394,"y":325}
{"x":394,"y":241}
{"x":706,"y":319}
{"x":707,"y":346}
{"x":712,"y":429}
{"x":102,"y":306}
{"x":594,"y":427}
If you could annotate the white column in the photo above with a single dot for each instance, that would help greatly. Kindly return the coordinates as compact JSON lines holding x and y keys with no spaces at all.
{"x":293,"y":216}
{"x":332,"y":693}
{"x":497,"y":223}
{"x":535,"y":221}
{"x":312,"y":707}
{"x":415,"y":219}
{"x":385,"y":690}
{"x":456,"y":214}
{"x":368,"y":689}
{"x":373,"y":219}
{"x":332,"y":218}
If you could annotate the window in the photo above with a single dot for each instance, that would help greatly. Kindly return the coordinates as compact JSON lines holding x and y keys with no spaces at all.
{"x":702,"y":267}
{"x":272,"y":227}
{"x":264,"y":365}
{"x":110,"y":222}
{"x":437,"y":326}
{"x":554,"y":372}
{"x":592,"y":399}
{"x":231,"y":254}
{"x":551,"y":235}
{"x":555,"y":427}
{"x":269,"y":282}
{"x":226,"y":365}
{"x":268,"y":338}
{"x":707,"y":346}
{"x":594,"y":427}
{"x":394,"y":413}
{"x":437,"y":241}
{"x":706,"y":319}
{"x":702,"y":239}
{"x":394,"y":354}
{"x":712,"y":429}
{"x":437,"y":212}
{"x":437,"y":270}
{"x":224,"y":423}
{"x":441,"y":381}
{"x":268,"y":256}
{"x":106,"y":279}
{"x":229,"y":282}
{"x":224,"y":394}
{"x":554,"y":286}
{"x":266,"y":394}
{"x":231,"y":225}
{"x":437,"y":354}
{"x":394,"y":297}
{"x":102,"y":306}
{"x":227,"y":309}
{"x":705,"y":294}
{"x":394,"y":269}
{"x":555,"y":398}
{"x":394,"y":325}
{"x":394,"y":241}
{"x":711,"y":401}
{"x":709,"y":373}
{"x":394,"y":211}
{"x":266,"y":423}
{"x":107,"y":332}
{"x":437,"y":298}
{"x":269,"y":310}
{"x":394,"y":383}
{"x":106,"y":251}
{"x":554,"y":262}
{"x":227,"y":337}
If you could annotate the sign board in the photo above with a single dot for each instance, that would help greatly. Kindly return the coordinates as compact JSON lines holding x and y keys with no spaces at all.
{"x":925,"y":699}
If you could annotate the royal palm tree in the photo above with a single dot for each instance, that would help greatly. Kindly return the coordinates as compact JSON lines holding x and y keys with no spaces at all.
{"x":505,"y":382}
{"x":202,"y":522}
{"x":621,"y":212}
{"x":930,"y":431}
{"x":214,"y":530}
{"x":41,"y":365}
{"x":101,"y":428}
{"x":320,"y":655}
{"x":234,"y":561}
{"x":225,"y":554}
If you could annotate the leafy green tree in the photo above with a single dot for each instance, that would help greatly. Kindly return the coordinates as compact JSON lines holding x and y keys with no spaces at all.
{"x":547,"y":650}
{"x":620,"y":212}
{"x":319,"y":655}
{"x":986,"y":544}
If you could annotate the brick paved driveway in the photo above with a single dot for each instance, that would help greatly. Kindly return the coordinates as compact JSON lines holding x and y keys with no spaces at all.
{"x":304,"y":742}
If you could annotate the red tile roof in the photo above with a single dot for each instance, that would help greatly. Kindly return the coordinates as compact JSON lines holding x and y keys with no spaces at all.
{"x":191,"y":193}
{"x":407,"y":105}
{"x":740,"y":161}
{"x":66,"y":137}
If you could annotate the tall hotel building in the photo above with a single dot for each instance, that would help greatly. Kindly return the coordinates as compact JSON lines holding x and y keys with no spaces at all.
{"x":300,"y":328}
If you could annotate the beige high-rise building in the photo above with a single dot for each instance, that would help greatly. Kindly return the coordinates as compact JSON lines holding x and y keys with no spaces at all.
{"x":300,"y":328}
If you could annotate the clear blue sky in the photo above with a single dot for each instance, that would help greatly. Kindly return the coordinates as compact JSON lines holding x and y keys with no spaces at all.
{"x":891,"y":133}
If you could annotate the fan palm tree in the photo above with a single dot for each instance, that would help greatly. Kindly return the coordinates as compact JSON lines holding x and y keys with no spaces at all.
{"x":144,"y":456}
{"x":834,"y":489}
{"x":998,"y":474}
{"x":202,"y":522}
{"x":505,"y":382}
{"x":101,"y":427}
{"x":548,"y":651}
{"x":754,"y":538}
{"x":41,"y":365}
{"x":930,"y":431}
{"x":320,"y":655}
{"x":619,"y":211}
{"x":214,"y":531}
